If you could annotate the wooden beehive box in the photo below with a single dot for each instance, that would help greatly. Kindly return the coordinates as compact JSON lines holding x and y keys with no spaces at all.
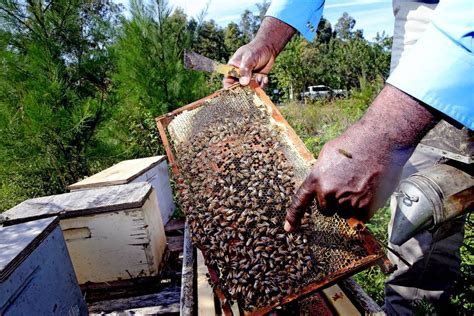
{"x":112,"y":233}
{"x":36,"y":274}
{"x":153,"y":170}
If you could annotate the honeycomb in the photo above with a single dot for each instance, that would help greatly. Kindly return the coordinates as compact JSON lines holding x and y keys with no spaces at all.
{"x":238,"y":172}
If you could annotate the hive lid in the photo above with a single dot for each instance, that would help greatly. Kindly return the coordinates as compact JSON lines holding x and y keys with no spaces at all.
{"x":121,"y":173}
{"x":18,"y":241}
{"x":79,"y":203}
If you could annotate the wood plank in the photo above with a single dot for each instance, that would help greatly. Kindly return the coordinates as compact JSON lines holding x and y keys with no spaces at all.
{"x":164,"y":302}
{"x":205,"y":294}
{"x":78,"y":203}
{"x":121,"y":173}
{"x":359,"y":297}
{"x":340,"y":301}
{"x":187,"y":307}
{"x":175,"y":243}
{"x":174,"y":224}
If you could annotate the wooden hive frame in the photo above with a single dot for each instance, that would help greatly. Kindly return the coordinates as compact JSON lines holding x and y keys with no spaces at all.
{"x":372,"y":246}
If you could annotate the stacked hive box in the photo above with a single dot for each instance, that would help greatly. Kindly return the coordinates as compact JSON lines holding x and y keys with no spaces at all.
{"x":112,"y":233}
{"x":36,"y":274}
{"x":153,"y":170}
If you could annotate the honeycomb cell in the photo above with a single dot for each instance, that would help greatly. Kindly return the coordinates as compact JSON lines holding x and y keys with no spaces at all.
{"x":239,"y":173}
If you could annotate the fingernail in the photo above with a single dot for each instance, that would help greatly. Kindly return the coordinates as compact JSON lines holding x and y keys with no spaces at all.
{"x":287,"y":226}
{"x":244,"y":80}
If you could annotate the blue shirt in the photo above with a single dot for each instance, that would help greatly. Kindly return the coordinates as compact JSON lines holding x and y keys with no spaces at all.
{"x":439,"y":70}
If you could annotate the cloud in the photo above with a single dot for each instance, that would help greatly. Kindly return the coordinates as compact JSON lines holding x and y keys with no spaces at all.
{"x":371,"y":15}
{"x":342,"y":4}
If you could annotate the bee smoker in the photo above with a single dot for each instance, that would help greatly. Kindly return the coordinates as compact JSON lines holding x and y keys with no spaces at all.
{"x":440,"y":193}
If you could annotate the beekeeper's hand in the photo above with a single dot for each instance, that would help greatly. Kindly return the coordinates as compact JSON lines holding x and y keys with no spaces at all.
{"x":259,"y":55}
{"x":356,"y":172}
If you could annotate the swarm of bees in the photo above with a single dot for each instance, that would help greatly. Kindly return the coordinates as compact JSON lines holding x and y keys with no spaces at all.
{"x":235,"y":186}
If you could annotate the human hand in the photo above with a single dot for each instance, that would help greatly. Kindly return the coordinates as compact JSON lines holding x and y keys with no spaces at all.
{"x":259,"y":55}
{"x":256,"y":56}
{"x":356,"y":172}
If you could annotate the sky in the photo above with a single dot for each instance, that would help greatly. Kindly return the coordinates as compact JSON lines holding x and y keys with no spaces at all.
{"x":371,"y":15}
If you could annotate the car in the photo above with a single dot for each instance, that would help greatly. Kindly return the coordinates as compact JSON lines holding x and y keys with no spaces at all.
{"x":323,"y":92}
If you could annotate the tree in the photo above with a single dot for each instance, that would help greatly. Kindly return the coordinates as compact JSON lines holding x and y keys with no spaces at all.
{"x":344,"y":27}
{"x":210,"y":41}
{"x":150,"y":79}
{"x":54,"y":90}
{"x":324,"y":32}
{"x":262,"y":9}
{"x":248,"y":25}
{"x":233,"y":38}
{"x":290,"y":69}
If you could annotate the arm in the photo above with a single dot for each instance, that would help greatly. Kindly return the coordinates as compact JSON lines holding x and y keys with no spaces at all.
{"x":284,"y":18}
{"x":435,"y":76}
{"x":356,"y":172}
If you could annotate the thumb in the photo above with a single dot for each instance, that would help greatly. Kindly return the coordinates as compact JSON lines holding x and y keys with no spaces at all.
{"x":301,"y":201}
{"x":247,"y":64}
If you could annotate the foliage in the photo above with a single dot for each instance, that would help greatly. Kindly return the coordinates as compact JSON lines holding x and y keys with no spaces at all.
{"x":81,"y":85}
{"x":150,"y":79}
{"x":372,"y":279}
{"x":336,"y":59}
{"x":320,"y":121}
{"x":462,"y":299}
{"x":54,"y":91}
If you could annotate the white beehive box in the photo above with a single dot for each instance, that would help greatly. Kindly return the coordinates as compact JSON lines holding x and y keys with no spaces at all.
{"x":36,"y":274}
{"x":112,"y":233}
{"x":153,"y":170}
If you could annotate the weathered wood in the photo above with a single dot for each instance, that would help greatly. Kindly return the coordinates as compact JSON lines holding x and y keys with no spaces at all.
{"x":187,"y":277}
{"x":112,"y":233}
{"x":116,"y":245}
{"x":164,"y":302}
{"x":80,"y":203}
{"x":340,"y":301}
{"x":175,"y":243}
{"x":17,"y":242}
{"x":174,"y":225}
{"x":121,"y":173}
{"x":153,"y":170}
{"x":359,"y":297}
{"x":205,"y":294}
{"x":36,"y":275}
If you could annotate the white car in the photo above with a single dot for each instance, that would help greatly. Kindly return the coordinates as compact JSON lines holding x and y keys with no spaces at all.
{"x":323,"y":92}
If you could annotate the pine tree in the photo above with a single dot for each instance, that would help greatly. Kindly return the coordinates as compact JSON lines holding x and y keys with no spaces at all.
{"x":54,"y":87}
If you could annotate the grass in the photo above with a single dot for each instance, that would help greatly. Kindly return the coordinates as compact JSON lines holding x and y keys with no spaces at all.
{"x":320,"y":121}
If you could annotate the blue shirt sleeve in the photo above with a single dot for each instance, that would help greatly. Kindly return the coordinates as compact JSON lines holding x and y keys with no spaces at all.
{"x":303,"y":15}
{"x":439,"y":70}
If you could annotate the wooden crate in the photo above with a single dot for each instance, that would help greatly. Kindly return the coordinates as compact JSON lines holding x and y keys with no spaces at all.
{"x":36,"y":274}
{"x":112,"y":233}
{"x":153,"y":170}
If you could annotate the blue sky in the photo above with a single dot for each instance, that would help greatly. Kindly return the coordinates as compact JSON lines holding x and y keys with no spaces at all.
{"x":371,"y":15}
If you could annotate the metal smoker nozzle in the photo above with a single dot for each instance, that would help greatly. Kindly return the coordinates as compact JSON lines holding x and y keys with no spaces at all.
{"x":429,"y":198}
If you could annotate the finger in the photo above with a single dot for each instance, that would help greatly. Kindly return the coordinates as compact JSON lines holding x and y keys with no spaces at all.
{"x":262,"y":80}
{"x":345,"y":210}
{"x":228,"y":81}
{"x":327,"y":205}
{"x":247,"y":64}
{"x":233,"y":61}
{"x":302,"y":199}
